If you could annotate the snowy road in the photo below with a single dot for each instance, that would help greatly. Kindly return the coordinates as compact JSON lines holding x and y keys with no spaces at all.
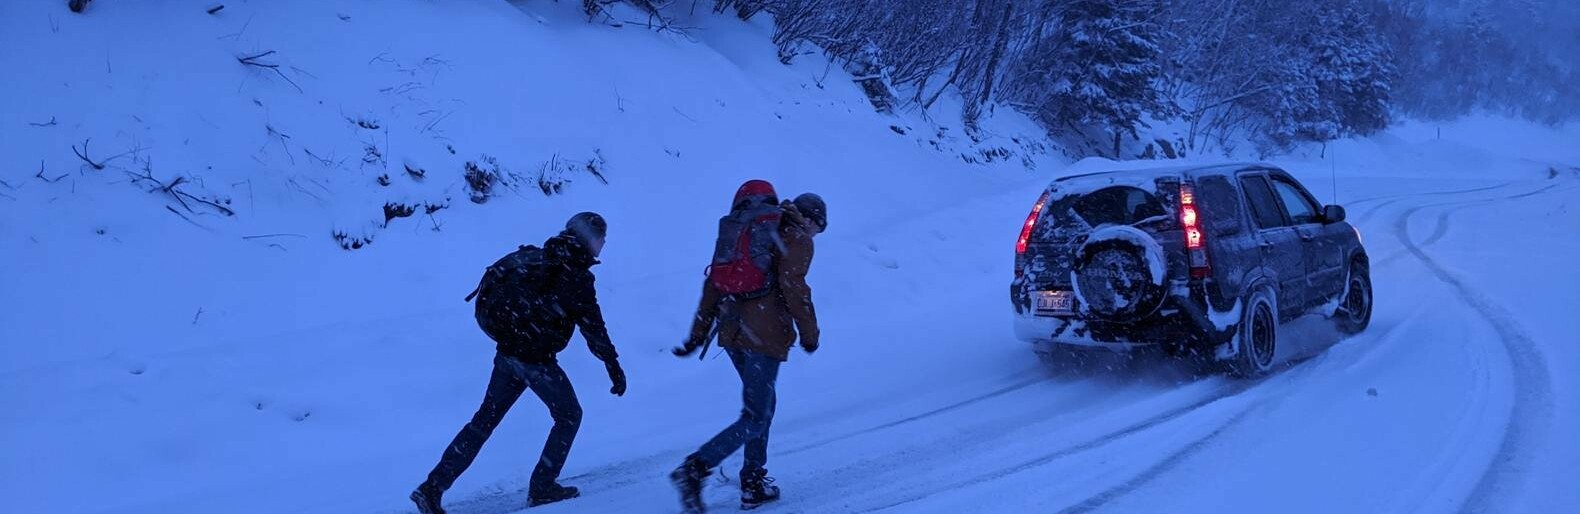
{"x":158,"y":356}
{"x":1446,"y":404}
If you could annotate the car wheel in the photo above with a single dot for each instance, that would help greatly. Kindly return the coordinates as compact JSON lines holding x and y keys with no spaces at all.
{"x":1355,"y":314}
{"x":1258,"y":337}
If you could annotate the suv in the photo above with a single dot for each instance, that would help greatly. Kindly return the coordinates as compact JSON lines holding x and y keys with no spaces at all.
{"x":1205,"y":260}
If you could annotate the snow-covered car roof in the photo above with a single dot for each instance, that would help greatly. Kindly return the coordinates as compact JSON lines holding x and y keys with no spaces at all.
{"x":1097,"y":167}
{"x":1096,"y":173}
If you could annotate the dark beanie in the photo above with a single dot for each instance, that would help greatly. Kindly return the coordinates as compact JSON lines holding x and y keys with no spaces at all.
{"x":587,"y":226}
{"x":812,"y":206}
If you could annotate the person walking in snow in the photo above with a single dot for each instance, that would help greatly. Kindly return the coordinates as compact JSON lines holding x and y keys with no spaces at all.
{"x":755,"y":300}
{"x":529,"y":303}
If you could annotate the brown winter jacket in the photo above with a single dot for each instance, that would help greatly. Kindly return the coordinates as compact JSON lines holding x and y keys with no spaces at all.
{"x":769,"y":325}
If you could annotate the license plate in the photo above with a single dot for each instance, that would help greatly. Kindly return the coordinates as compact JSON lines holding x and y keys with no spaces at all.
{"x":1054,"y":303}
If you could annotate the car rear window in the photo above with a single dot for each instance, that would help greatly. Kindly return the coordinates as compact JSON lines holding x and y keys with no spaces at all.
{"x":1121,"y":205}
{"x":1073,"y":215}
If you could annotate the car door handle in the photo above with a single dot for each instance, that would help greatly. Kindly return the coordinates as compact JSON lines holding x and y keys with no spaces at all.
{"x":1267,"y":244}
{"x":1307,"y":237}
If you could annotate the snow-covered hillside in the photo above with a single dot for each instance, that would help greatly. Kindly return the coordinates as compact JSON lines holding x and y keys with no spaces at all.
{"x":179,"y":331}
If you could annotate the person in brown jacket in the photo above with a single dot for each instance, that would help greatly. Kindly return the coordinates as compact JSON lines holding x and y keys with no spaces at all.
{"x":757,"y":337}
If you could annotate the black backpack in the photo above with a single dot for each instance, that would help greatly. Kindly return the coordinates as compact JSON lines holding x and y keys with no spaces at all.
{"x":511,"y":293}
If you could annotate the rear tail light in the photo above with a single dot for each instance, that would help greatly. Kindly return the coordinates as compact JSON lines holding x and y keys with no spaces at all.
{"x":1025,"y":231}
{"x":1195,"y":237}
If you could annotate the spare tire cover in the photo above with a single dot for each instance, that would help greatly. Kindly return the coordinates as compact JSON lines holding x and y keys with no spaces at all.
{"x":1119,"y":273}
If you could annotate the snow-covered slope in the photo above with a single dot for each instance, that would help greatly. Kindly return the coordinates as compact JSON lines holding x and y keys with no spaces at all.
{"x":158,"y":355}
{"x":172,"y":357}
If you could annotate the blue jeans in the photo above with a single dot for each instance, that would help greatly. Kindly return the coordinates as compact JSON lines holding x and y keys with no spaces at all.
{"x":512,"y":377}
{"x":758,"y":374}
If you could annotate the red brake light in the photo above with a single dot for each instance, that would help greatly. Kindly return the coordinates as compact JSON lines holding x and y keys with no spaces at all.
{"x":1031,"y":222}
{"x":1192,"y":230}
{"x":1195,"y":239}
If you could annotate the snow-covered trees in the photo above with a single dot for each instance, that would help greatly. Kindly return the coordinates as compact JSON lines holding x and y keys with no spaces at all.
{"x":1352,"y":69}
{"x":1279,"y":72}
{"x":1332,"y":79}
{"x":1509,"y":56}
{"x":1097,"y":68}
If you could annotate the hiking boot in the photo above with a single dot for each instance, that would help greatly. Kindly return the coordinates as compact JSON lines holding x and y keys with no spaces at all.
{"x":554,"y":493}
{"x":427,"y":500}
{"x":688,"y":481}
{"x":757,"y":488}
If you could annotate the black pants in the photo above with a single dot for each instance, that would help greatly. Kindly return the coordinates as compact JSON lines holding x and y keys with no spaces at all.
{"x":511,"y":377}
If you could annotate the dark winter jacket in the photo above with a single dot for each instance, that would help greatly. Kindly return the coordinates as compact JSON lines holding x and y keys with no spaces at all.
{"x":568,"y":302}
{"x":767,"y":325}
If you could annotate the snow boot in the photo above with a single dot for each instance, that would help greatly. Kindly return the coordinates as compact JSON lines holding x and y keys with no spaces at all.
{"x":427,"y":499}
{"x":688,"y":481}
{"x":554,"y":493}
{"x":757,"y":488}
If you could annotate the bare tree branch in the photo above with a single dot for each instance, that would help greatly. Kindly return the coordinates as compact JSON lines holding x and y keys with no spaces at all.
{"x":41,"y":176}
{"x":261,"y":236}
{"x":95,"y":165}
{"x":253,"y":61}
{"x":189,"y":220}
{"x":173,"y":190}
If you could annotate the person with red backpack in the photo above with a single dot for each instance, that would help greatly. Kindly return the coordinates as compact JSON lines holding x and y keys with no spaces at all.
{"x":756,"y":301}
{"x":529,"y":302}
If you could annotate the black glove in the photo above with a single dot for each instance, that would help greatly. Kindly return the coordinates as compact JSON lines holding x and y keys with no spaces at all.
{"x":810,"y":344}
{"x":684,"y":350}
{"x":617,"y":378}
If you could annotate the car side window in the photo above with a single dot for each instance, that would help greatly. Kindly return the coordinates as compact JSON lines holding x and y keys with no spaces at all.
{"x":1264,"y":206}
{"x":1220,"y":204}
{"x":1297,"y":204}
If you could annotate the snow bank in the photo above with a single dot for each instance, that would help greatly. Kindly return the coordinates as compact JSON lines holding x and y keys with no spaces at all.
{"x":171,"y":357}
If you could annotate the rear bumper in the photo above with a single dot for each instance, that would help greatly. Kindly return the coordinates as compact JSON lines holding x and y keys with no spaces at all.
{"x":1182,"y":321}
{"x":1047,"y":331}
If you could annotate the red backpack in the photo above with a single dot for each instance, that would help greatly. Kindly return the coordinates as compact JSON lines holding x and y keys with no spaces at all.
{"x":743,"y":255}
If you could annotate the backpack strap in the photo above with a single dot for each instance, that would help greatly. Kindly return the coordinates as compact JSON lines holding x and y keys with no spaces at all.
{"x":480,"y":283}
{"x":729,"y":312}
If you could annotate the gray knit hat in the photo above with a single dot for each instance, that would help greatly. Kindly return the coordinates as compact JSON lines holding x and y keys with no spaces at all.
{"x":588,"y":226}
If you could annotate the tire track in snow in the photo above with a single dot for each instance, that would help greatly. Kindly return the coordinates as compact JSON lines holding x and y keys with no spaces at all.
{"x":1428,"y":193}
{"x":912,"y":419}
{"x":1441,"y":228}
{"x":628,"y":472}
{"x":1174,"y":459}
{"x":1533,"y":403}
{"x":1157,"y":470}
{"x":1228,"y":391}
{"x":1388,"y":200}
{"x":1166,"y":464}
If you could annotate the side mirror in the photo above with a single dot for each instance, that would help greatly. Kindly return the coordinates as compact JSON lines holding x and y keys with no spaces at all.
{"x":1332,"y":214}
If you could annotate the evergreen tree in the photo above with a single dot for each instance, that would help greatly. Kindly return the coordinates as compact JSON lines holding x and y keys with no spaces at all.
{"x":1352,"y":70}
{"x":1100,"y":70}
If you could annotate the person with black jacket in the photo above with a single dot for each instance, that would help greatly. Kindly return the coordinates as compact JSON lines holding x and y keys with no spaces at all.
{"x":526,"y":359}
